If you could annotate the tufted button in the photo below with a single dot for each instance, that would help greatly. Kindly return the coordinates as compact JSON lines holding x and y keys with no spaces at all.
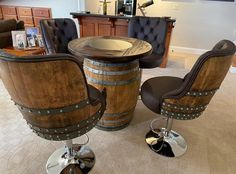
{"x":151,"y":30}
{"x":148,"y":22}
{"x":142,"y":29}
{"x":62,"y":32}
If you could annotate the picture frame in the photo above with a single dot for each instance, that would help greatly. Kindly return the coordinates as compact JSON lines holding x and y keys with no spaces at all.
{"x":20,"y":40}
{"x":33,"y":31}
{"x":31,"y":41}
{"x":14,"y":33}
{"x":40,"y":41}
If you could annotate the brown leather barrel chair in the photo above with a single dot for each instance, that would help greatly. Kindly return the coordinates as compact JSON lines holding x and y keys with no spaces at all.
{"x":154,"y":31}
{"x":184,"y":99}
{"x":57,"y":33}
{"x":53,"y":96}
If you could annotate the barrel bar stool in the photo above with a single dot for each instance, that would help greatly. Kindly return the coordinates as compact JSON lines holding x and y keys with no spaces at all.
{"x":54,"y":98}
{"x":184,"y":99}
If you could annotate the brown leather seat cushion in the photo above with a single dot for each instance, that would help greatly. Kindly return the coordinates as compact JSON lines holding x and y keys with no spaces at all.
{"x":153,"y":89}
{"x":151,"y":61}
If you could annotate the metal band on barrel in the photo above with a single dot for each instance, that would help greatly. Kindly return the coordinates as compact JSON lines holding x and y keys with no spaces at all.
{"x":69,"y":132}
{"x":54,"y":111}
{"x":97,"y":63}
{"x":110,"y":73}
{"x":111,"y":83}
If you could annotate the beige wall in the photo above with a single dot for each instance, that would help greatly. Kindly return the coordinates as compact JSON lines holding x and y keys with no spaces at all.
{"x":200,"y":23}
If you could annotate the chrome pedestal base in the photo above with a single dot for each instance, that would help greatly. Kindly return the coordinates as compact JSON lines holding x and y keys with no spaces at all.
{"x":169,"y":144}
{"x":81,"y":161}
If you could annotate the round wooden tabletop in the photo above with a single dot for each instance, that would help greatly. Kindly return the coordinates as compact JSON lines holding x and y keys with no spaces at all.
{"x":110,"y":48}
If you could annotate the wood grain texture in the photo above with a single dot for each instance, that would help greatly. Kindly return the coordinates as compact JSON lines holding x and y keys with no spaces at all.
{"x":47,"y":85}
{"x":24,"y":52}
{"x":30,"y":15}
{"x":121,"y":99}
{"x":82,"y":47}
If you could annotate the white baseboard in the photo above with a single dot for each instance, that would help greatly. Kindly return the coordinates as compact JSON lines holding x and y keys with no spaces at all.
{"x":187,"y":50}
{"x":232,"y":69}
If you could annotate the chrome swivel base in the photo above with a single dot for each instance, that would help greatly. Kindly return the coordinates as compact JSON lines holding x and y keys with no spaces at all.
{"x":169,"y":144}
{"x":80,"y":161}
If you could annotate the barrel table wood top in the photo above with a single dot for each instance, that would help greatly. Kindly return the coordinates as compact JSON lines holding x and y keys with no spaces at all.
{"x":111,"y":63}
{"x":110,"y":48}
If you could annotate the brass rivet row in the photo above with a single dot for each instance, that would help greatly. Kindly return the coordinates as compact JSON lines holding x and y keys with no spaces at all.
{"x":186,"y":108}
{"x":180,"y":116}
{"x":55,"y":110}
{"x":63,"y":134}
{"x":201,"y":93}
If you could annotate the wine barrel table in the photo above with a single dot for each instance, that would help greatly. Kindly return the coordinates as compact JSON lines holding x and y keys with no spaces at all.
{"x":112,"y":63}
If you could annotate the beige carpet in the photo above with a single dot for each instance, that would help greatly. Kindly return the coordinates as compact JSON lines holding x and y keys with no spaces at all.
{"x":211,"y":139}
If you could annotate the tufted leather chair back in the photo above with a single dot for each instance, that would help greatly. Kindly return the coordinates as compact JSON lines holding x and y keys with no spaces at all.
{"x":57,"y":33}
{"x":200,"y":84}
{"x":150,"y":29}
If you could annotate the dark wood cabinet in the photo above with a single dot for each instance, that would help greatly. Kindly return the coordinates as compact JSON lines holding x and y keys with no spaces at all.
{"x":108,"y":25}
{"x":95,"y":26}
{"x":30,"y":15}
{"x":9,"y":12}
{"x":41,"y":13}
{"x":25,"y":14}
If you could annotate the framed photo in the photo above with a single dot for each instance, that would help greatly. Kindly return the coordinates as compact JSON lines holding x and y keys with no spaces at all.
{"x":31,"y":41}
{"x":14,"y":33}
{"x":40,"y":41}
{"x":21,"y":41}
{"x":33,"y":31}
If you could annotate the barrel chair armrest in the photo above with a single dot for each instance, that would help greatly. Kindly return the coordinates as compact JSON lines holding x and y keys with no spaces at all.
{"x":96,"y":96}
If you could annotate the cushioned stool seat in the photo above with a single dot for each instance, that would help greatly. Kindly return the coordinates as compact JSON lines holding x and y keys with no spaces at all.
{"x":153,"y":89}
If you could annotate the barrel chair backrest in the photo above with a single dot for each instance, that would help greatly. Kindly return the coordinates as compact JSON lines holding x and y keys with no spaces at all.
{"x":150,"y":29}
{"x":200,"y":84}
{"x":50,"y":92}
{"x":57,"y":33}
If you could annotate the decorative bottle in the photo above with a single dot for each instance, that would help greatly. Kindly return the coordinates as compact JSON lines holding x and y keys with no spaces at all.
{"x":104,"y":7}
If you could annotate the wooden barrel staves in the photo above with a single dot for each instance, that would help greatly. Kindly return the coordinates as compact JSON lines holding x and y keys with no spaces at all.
{"x":122,"y":81}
